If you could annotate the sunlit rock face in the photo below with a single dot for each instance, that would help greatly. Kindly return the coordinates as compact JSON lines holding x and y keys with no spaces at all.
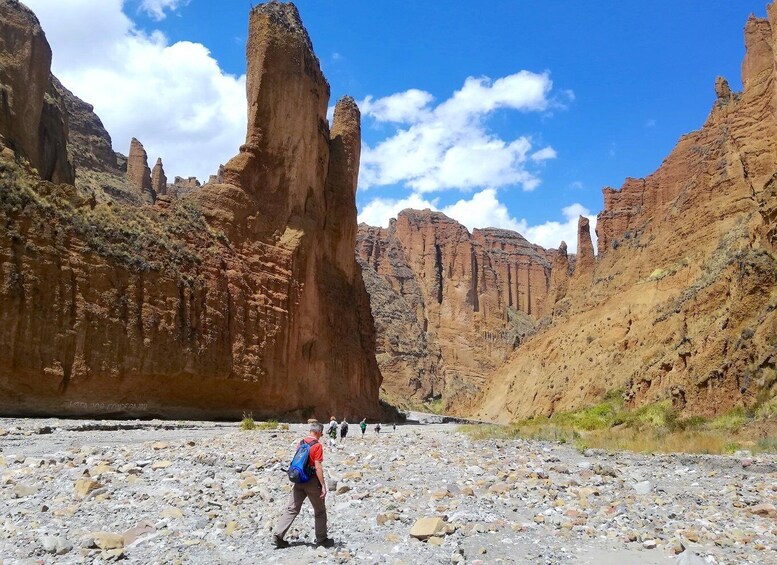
{"x":680,"y":302}
{"x":242,"y":296}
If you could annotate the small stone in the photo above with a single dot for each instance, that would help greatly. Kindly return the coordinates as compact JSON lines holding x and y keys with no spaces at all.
{"x":231,"y":528}
{"x":159,"y":445}
{"x":427,"y":527}
{"x":172,"y":512}
{"x":352,"y":475}
{"x":435,"y":540}
{"x":643,"y":487}
{"x":133,"y":534}
{"x":764,"y":509}
{"x":343,"y":489}
{"x":85,"y":486}
{"x":649,"y":544}
{"x":56,"y":545}
{"x":21,"y":490}
{"x":499,"y":488}
{"x":107,"y":540}
{"x":161,"y":464}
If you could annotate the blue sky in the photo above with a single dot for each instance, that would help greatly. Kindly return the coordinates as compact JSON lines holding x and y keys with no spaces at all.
{"x":564,"y":97}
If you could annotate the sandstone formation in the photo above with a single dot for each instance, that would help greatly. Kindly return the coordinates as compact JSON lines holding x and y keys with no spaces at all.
{"x":449,"y":306}
{"x":32,"y":122}
{"x":238,"y":298}
{"x":183,"y":186}
{"x":158,"y":179}
{"x":681,"y":302}
{"x":138,"y":173}
{"x":559,"y":281}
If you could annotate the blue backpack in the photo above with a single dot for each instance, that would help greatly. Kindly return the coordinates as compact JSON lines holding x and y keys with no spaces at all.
{"x":300,"y":470}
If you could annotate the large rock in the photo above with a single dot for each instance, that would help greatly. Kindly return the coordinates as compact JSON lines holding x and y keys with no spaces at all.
{"x":32,"y":120}
{"x":138,"y":172}
{"x":680,"y":304}
{"x":244,"y":296}
{"x":449,"y":305}
{"x":158,"y":179}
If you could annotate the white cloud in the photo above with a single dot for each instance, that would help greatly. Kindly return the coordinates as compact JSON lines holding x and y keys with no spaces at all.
{"x":156,"y":8}
{"x":404,"y":107}
{"x":484,"y":210}
{"x":544,"y":154}
{"x":448,"y":146}
{"x":173,"y":97}
{"x":379,"y":211}
{"x":552,"y":233}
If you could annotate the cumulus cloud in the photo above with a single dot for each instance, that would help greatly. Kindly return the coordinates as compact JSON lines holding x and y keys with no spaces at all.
{"x":552,"y":233}
{"x":404,"y":107}
{"x":156,"y":8}
{"x":485,"y":210}
{"x":448,"y":146}
{"x":173,"y":97}
{"x":379,"y":211}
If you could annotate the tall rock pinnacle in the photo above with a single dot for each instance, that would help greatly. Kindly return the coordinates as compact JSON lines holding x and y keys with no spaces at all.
{"x":341,"y":181}
{"x":138,"y":172}
{"x":559,"y":279}
{"x":286,"y":149}
{"x":586,"y":261}
{"x":158,"y":179}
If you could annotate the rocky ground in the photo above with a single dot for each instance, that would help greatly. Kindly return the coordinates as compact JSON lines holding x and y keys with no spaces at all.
{"x":167,"y":492}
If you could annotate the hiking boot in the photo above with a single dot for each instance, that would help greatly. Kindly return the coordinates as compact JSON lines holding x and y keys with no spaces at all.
{"x":279,"y":542}
{"x":326,"y":542}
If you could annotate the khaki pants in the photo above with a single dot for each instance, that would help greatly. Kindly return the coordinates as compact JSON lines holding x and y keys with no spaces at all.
{"x":311,"y":490}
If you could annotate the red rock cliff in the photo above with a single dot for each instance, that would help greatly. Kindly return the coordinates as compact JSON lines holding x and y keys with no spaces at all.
{"x":449,"y":305}
{"x":238,"y":298}
{"x":681,"y":302}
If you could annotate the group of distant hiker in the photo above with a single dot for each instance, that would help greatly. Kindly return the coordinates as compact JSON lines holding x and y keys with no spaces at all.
{"x":332,"y":431}
{"x":306,"y":471}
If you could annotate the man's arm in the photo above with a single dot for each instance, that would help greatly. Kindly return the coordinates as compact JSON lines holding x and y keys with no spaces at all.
{"x":320,"y":475}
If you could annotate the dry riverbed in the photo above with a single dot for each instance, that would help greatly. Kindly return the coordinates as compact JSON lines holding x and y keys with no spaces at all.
{"x":193,"y":492}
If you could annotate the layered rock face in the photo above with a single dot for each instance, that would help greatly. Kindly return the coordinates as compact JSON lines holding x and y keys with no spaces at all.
{"x":32,"y":120}
{"x":681,"y":301}
{"x":449,"y":306}
{"x":238,"y":298}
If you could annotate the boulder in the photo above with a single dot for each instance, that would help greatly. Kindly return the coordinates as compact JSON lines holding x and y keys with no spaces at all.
{"x":425,"y":528}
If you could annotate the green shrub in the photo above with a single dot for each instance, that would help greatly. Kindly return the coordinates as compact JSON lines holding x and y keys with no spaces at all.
{"x":268,"y":425}
{"x":248,"y":422}
{"x":731,"y":421}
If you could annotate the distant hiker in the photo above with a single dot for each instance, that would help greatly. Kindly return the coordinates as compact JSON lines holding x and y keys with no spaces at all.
{"x":394,"y":425}
{"x":363,"y":426}
{"x":311,"y":486}
{"x":343,"y":430}
{"x":332,"y":431}
{"x":377,"y":428}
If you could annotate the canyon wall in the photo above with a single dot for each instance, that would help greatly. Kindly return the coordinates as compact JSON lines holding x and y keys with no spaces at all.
{"x":243,"y":296}
{"x":32,"y":120}
{"x":449,"y":306}
{"x":680,"y":303}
